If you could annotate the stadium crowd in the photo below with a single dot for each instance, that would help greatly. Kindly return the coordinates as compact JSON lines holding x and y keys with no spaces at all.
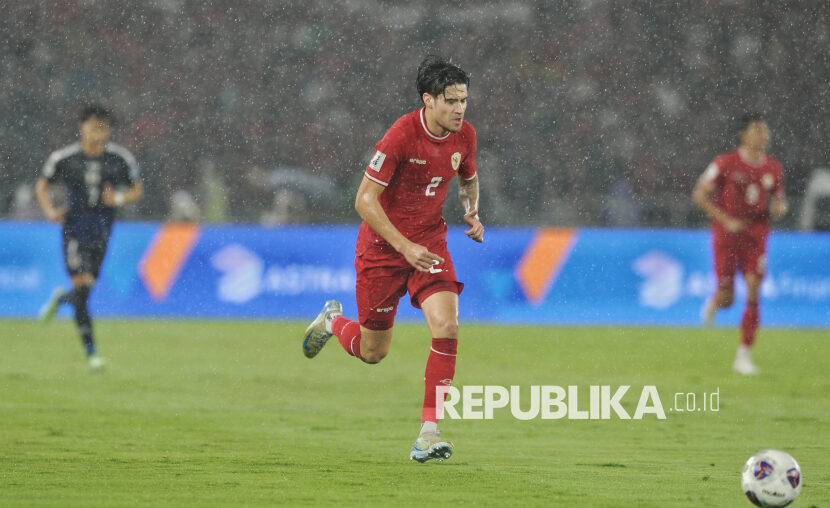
{"x":587,"y":112}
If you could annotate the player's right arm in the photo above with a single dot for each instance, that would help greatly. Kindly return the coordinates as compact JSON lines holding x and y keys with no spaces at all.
{"x":51,"y":212}
{"x":370,"y":210}
{"x":44,"y":199}
{"x":702,"y":197}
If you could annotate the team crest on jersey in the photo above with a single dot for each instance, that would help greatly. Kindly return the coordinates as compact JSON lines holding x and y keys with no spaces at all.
{"x":456,"y":160}
{"x":377,"y":160}
{"x":767,"y":181}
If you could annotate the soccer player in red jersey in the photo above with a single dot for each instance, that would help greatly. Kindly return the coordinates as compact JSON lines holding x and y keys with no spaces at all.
{"x":401,"y":245}
{"x":740,"y":191}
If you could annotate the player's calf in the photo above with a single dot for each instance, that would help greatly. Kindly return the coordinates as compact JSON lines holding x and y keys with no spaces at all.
{"x":370,"y":353}
{"x":708,"y":311}
{"x":726,"y":297}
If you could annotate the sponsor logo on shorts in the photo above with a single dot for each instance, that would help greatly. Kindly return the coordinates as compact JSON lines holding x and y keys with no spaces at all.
{"x":385,"y":309}
{"x":418,"y":161}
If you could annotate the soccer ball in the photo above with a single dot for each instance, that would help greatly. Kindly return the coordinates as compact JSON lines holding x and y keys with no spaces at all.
{"x":771,"y":478}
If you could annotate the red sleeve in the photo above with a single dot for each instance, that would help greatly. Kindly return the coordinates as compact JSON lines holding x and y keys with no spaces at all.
{"x":387,"y":156}
{"x":468,"y":168}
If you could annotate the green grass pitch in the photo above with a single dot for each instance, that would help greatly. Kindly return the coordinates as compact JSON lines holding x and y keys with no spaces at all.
{"x":231,"y":413}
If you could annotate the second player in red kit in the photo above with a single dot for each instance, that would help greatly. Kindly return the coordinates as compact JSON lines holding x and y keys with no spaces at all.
{"x":741,"y":190}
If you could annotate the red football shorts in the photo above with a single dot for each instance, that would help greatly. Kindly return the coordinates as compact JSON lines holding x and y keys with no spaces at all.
{"x":384,"y":276}
{"x":746,"y":250}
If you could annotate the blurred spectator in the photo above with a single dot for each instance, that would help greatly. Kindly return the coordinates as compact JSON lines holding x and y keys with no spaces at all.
{"x":183,"y":208}
{"x":24,"y":206}
{"x":815,"y":211}
{"x":621,"y":210}
{"x":294,"y":195}
{"x":289,"y":207}
{"x":213,"y":194}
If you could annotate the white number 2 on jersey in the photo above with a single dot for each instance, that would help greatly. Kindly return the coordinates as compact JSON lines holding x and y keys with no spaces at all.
{"x":436,"y":181}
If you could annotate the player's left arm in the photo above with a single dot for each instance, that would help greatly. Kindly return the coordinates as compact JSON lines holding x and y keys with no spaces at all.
{"x":468,"y":195}
{"x":468,"y":187}
{"x":113,"y":197}
{"x":779,"y":205}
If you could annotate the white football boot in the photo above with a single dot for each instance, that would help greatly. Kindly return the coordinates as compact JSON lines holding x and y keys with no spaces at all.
{"x":319,"y":331}
{"x":96,"y":363}
{"x":430,"y":446}
{"x":50,"y":308}
{"x":743,"y":362}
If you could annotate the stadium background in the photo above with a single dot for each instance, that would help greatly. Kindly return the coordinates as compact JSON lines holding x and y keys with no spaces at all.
{"x":588,"y":112}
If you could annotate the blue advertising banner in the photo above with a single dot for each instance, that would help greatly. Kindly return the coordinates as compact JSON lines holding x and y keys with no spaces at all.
{"x":518,"y":275}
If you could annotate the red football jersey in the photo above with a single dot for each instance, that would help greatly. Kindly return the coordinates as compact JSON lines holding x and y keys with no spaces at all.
{"x":416,"y":167}
{"x":743,"y":190}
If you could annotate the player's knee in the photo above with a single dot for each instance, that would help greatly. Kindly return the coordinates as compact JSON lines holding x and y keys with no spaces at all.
{"x":83,"y":279}
{"x":447,"y":329}
{"x":727,"y":298}
{"x":373,"y":355}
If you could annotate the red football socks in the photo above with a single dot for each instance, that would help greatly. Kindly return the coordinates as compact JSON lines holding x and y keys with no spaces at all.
{"x":749,"y":324}
{"x":348,"y":332}
{"x":440,"y":371}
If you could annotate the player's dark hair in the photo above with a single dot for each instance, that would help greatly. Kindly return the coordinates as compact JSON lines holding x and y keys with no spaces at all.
{"x":95,"y":111}
{"x":435,"y":74}
{"x":748,"y":118}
